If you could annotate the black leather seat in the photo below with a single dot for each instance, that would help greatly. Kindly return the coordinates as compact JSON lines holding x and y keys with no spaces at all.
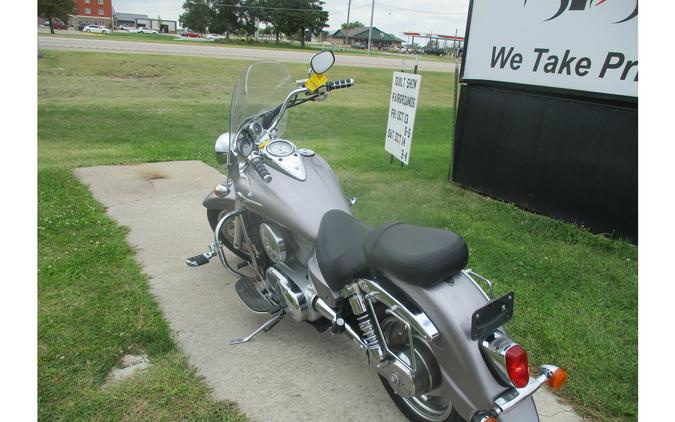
{"x":339,"y":248}
{"x":416,"y":255}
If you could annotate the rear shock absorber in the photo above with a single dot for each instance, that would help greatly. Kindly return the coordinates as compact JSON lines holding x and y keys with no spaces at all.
{"x":366,"y":325}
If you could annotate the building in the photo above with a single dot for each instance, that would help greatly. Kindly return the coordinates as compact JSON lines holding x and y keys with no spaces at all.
{"x":87,"y":12}
{"x":379,"y":38}
{"x":160,"y":25}
{"x":136,"y":20}
{"x":127,"y":19}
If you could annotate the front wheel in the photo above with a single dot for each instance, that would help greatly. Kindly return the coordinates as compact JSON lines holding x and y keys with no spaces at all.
{"x":423,"y":407}
{"x":227,"y":231}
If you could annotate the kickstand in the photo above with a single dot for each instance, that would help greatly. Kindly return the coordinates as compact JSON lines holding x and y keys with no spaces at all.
{"x":268,"y":325}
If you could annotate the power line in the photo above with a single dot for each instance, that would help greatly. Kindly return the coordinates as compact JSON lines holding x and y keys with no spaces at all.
{"x":239,"y":6}
{"x":431,"y":12}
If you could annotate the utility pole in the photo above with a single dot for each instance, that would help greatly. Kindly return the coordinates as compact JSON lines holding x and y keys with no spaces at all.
{"x":257,"y":22}
{"x":370,"y":29}
{"x":349,"y":8}
{"x":454,"y":44}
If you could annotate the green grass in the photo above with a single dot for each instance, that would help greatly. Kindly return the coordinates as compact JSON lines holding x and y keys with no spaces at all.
{"x":576,"y":293}
{"x":242,"y":43}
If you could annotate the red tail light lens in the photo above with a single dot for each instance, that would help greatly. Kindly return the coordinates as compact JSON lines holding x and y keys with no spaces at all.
{"x":517,"y":366}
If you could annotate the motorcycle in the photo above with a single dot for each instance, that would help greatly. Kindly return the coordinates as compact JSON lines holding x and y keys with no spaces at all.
{"x":428,"y":327}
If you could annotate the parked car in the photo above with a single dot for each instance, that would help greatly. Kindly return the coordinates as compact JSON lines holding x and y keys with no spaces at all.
{"x":213,"y":37}
{"x":96,"y":28}
{"x":58,"y":25}
{"x":359,"y":45}
{"x":126,"y":28}
{"x":190,"y":34}
{"x":143,"y":30}
{"x":436,"y":50}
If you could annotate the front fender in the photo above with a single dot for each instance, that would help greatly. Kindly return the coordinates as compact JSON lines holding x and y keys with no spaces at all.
{"x":220,"y":202}
{"x":471,"y":385}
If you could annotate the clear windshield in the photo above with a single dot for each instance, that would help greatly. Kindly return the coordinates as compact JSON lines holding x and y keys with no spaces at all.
{"x":261,"y":87}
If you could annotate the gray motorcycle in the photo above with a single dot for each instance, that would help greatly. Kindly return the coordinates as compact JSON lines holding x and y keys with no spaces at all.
{"x":430,"y":328}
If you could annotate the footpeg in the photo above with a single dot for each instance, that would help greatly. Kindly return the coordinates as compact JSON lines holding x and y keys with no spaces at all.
{"x":252,"y":298}
{"x":197,"y":260}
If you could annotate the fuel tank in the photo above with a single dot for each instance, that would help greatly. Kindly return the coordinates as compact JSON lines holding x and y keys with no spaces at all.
{"x":297,"y":205}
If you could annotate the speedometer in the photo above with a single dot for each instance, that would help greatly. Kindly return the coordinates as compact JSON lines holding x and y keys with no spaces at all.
{"x":280,"y":148}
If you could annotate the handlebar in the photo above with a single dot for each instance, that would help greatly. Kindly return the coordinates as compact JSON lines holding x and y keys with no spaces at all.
{"x":343,"y":83}
{"x":260,"y":168}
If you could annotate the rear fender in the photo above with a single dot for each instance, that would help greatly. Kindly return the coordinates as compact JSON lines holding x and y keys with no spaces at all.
{"x":472,"y":387}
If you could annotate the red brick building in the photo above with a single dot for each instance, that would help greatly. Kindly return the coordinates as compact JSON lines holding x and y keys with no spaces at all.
{"x":93,"y":12}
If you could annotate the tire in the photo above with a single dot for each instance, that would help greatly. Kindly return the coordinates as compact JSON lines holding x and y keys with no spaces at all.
{"x":423,"y":407}
{"x":409,"y":412}
{"x":214,"y":217}
{"x":104,"y":32}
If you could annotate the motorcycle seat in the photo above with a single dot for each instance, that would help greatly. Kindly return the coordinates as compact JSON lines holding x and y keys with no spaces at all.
{"x":416,"y":255}
{"x":339,"y":248}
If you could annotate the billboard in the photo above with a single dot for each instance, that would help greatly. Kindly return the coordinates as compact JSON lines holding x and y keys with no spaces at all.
{"x":589,"y":46}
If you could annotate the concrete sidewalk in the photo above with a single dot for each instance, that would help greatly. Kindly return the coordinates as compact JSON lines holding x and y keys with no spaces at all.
{"x":292,"y":373}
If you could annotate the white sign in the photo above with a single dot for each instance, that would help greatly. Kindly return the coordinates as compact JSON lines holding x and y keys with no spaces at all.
{"x":405,"y":91}
{"x":586,"y":45}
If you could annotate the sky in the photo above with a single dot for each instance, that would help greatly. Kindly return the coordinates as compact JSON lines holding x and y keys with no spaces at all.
{"x":393,"y":16}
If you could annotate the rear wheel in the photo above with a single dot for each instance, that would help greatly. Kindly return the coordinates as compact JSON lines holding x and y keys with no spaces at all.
{"x":423,"y":407}
{"x":227,"y":231}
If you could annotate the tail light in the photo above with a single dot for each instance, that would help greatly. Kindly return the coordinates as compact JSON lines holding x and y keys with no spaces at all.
{"x":506,"y":359}
{"x":516,"y":366}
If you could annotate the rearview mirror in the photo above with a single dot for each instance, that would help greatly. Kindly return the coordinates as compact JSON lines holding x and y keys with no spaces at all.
{"x":323,"y":61}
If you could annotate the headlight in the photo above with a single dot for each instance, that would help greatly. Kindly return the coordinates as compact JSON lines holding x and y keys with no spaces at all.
{"x":223,"y":148}
{"x":274,"y":244}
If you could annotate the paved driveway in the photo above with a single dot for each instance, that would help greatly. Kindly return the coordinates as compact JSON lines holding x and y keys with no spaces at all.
{"x":292,"y":373}
{"x":294,"y":56}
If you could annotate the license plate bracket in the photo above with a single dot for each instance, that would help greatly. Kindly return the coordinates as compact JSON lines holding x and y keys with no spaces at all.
{"x":491,"y":316}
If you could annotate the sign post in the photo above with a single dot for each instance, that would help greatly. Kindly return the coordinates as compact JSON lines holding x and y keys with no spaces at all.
{"x":405,"y":90}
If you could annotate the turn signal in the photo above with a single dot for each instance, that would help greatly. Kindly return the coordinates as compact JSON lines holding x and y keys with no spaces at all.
{"x":517,"y":366}
{"x":557,"y":379}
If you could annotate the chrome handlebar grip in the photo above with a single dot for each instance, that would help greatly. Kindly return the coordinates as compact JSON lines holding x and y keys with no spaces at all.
{"x":260,"y":168}
{"x":343,"y":83}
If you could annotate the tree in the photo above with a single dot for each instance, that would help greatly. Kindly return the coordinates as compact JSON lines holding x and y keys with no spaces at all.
{"x":247,"y":17}
{"x":269,"y":13}
{"x":351,"y":25}
{"x":197,"y":15}
{"x":300,"y":16}
{"x":60,"y":9}
{"x":224,"y":17}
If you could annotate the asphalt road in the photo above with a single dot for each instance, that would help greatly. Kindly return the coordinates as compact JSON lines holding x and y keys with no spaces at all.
{"x":291,"y":373}
{"x":115,"y":46}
